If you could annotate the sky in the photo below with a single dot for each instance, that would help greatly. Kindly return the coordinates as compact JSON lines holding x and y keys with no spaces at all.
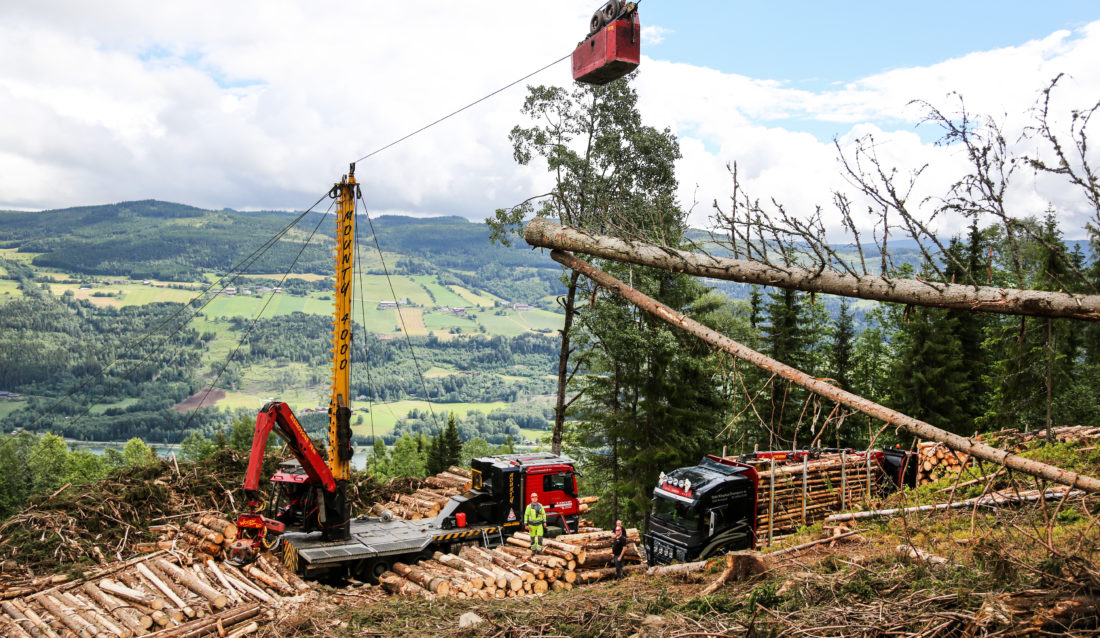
{"x":262,"y":105}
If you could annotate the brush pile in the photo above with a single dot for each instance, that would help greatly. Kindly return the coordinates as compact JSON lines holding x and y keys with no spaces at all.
{"x":94,"y":523}
{"x":935,"y":460}
{"x":158,"y":595}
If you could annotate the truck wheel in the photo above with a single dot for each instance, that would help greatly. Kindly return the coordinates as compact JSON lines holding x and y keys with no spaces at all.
{"x":376,"y":568}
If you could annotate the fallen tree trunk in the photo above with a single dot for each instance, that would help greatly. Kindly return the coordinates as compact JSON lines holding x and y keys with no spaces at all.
{"x":990,"y":500}
{"x":1038,"y":303}
{"x":827,"y":390}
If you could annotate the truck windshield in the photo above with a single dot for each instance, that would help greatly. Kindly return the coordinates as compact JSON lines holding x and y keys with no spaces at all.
{"x":675,"y":513}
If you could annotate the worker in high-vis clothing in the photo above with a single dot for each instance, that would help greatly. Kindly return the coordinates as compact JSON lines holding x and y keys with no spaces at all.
{"x":534,"y":518}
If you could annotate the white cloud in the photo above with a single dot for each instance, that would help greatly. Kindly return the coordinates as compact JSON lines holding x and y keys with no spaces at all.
{"x":723,"y":118}
{"x":261,"y":105}
{"x":653,"y":34}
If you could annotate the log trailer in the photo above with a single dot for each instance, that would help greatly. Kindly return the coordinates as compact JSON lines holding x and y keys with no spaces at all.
{"x":725,"y":504}
{"x":309,"y":516}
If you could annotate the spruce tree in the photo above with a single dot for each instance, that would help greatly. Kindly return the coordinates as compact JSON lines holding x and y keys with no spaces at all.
{"x":928,"y":381}
{"x":435,"y":462}
{"x":843,"y":335}
{"x":450,"y":448}
{"x":787,"y":341}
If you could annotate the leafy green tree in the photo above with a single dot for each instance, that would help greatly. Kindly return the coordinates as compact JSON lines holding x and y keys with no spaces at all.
{"x":48,"y":462}
{"x":409,"y":458}
{"x":196,"y":447}
{"x":15,"y":471}
{"x":604,"y":162}
{"x":475,"y":448}
{"x":82,"y":466}
{"x":137,"y":453}
{"x":240,"y":434}
{"x":379,"y":464}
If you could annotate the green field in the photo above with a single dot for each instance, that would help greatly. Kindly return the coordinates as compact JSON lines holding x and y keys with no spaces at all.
{"x":477,"y":298}
{"x":281,"y":304}
{"x":386,"y":414}
{"x":9,"y":289}
{"x":443,"y":296}
{"x":100,"y":408}
{"x":7,"y":406}
{"x":14,"y":255}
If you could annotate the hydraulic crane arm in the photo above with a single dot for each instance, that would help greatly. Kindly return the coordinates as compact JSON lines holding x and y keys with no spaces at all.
{"x":279,"y":414}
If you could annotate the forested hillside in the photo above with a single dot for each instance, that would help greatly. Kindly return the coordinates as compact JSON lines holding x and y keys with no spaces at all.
{"x":115,"y":315}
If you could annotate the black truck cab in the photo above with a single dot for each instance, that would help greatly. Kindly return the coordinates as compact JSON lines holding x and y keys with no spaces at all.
{"x":702,"y":510}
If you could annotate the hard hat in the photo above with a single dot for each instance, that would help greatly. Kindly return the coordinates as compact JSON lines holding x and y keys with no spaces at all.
{"x":535,"y":494}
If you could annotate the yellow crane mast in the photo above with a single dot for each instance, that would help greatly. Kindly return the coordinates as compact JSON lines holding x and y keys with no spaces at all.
{"x":339,"y":409}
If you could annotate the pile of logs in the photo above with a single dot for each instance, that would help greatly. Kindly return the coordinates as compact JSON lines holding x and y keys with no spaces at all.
{"x":935,"y":460}
{"x":154,"y":595}
{"x":426,"y":501}
{"x":513,"y":569}
{"x":1017,"y":440}
{"x":801,"y":493}
{"x":205,"y":536}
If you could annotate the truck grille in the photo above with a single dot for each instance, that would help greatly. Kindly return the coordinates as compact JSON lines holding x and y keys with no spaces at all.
{"x":666,"y":552}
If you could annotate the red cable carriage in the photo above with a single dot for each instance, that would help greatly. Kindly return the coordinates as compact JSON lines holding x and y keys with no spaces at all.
{"x":613,"y":46}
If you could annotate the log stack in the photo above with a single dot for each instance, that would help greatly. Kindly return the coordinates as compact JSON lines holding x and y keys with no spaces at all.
{"x":427,"y":501}
{"x":157,"y":595}
{"x":203,"y":536}
{"x":936,"y":460}
{"x":512,"y":569}
{"x":807,"y":491}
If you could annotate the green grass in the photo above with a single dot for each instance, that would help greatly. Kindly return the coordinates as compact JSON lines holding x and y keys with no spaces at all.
{"x":477,"y":298}
{"x":443,"y":295}
{"x":387,"y":414}
{"x":9,"y":289}
{"x":7,"y":406}
{"x":506,"y":325}
{"x":376,"y":288}
{"x":539,"y":319}
{"x":282,"y":304}
{"x":437,"y":320}
{"x":14,"y":255}
{"x":541,"y":438}
{"x":100,"y":408}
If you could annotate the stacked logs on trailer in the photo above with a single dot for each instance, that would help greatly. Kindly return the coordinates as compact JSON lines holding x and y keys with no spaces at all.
{"x":512,"y":569}
{"x":936,"y":460}
{"x":791,"y":494}
{"x":161,"y":595}
{"x":204,"y":536}
{"x":427,"y":501}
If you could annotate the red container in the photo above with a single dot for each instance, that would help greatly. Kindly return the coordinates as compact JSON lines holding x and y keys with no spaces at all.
{"x":610,"y":53}
{"x":460,"y":519}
